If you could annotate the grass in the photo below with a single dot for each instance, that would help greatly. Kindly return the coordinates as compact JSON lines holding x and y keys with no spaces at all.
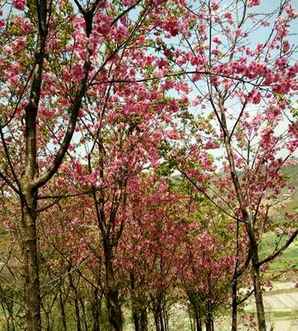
{"x":288,"y":260}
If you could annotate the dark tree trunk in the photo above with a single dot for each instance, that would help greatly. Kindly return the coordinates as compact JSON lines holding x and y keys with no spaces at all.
{"x":259,"y":298}
{"x":158,"y":322}
{"x":76,"y":301}
{"x":112,"y":292}
{"x":114,"y":309}
{"x":256,"y":279}
{"x":159,"y":313}
{"x":96,"y":311}
{"x":234,"y":305}
{"x":197,"y":320}
{"x":62,"y":312}
{"x":84,"y":315}
{"x":143,"y":320}
{"x":195,"y":306}
{"x":209,"y":323}
{"x":139,"y":311}
{"x":140,"y":320}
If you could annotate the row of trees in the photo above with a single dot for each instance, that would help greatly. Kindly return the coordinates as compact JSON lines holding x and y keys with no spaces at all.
{"x":142,"y":144}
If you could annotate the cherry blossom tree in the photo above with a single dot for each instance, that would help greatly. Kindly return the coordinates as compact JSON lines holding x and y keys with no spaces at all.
{"x":56,"y":56}
{"x":245,"y":87}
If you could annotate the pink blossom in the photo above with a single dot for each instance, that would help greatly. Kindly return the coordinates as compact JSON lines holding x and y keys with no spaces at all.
{"x":77,"y":72}
{"x":253,"y":3}
{"x":228,"y":15}
{"x":216,"y":40}
{"x":19,"y":4}
{"x":255,"y":97}
{"x":103,"y":23}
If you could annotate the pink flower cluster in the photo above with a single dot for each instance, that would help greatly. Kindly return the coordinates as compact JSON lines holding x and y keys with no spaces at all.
{"x":19,"y":4}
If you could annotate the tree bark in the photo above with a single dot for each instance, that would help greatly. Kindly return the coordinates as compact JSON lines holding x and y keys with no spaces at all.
{"x":255,"y":274}
{"x":209,"y":323}
{"x":159,"y":313}
{"x":96,"y":311}
{"x":139,"y":311}
{"x":234,"y":304}
{"x":112,"y":292}
{"x":197,"y":320}
{"x":196,"y":310}
{"x":140,"y":320}
{"x":31,"y":263}
{"x":62,"y":311}
{"x":76,"y":301}
{"x":114,"y":309}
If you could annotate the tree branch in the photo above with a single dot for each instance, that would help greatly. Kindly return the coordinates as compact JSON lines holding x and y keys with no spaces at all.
{"x":280,"y":251}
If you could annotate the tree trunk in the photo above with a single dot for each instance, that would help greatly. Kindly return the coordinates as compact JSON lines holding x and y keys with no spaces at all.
{"x":159,"y":314}
{"x":62,"y":311}
{"x":31,"y":265}
{"x":196,"y":310}
{"x":114,"y":309}
{"x":197,"y":320}
{"x":84,"y":315}
{"x":140,"y":319}
{"x":143,"y":320}
{"x":259,"y":298}
{"x":255,"y":274}
{"x":96,"y":311}
{"x":234,"y":305}
{"x":158,"y":322}
{"x":112,"y":292}
{"x":139,"y":311}
{"x":76,"y":301}
{"x":209,"y":323}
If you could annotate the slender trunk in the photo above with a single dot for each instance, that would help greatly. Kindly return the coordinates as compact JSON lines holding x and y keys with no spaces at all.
{"x":197,"y":320}
{"x":143,"y":320}
{"x":114,"y":309}
{"x":258,"y":298}
{"x":139,"y":311}
{"x":255,"y":274}
{"x":166,"y":318}
{"x":159,"y":314}
{"x":209,"y":307}
{"x":136,"y":320}
{"x":77,"y":312}
{"x":31,"y":265}
{"x":48,"y":321}
{"x":158,"y":326}
{"x":140,"y":319}
{"x":62,"y":312}
{"x":77,"y":305}
{"x":84,"y":316}
{"x":209,"y":323}
{"x":112,"y":292}
{"x":28,"y":196}
{"x":196,"y":310}
{"x":234,"y":304}
{"x":96,"y":311}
